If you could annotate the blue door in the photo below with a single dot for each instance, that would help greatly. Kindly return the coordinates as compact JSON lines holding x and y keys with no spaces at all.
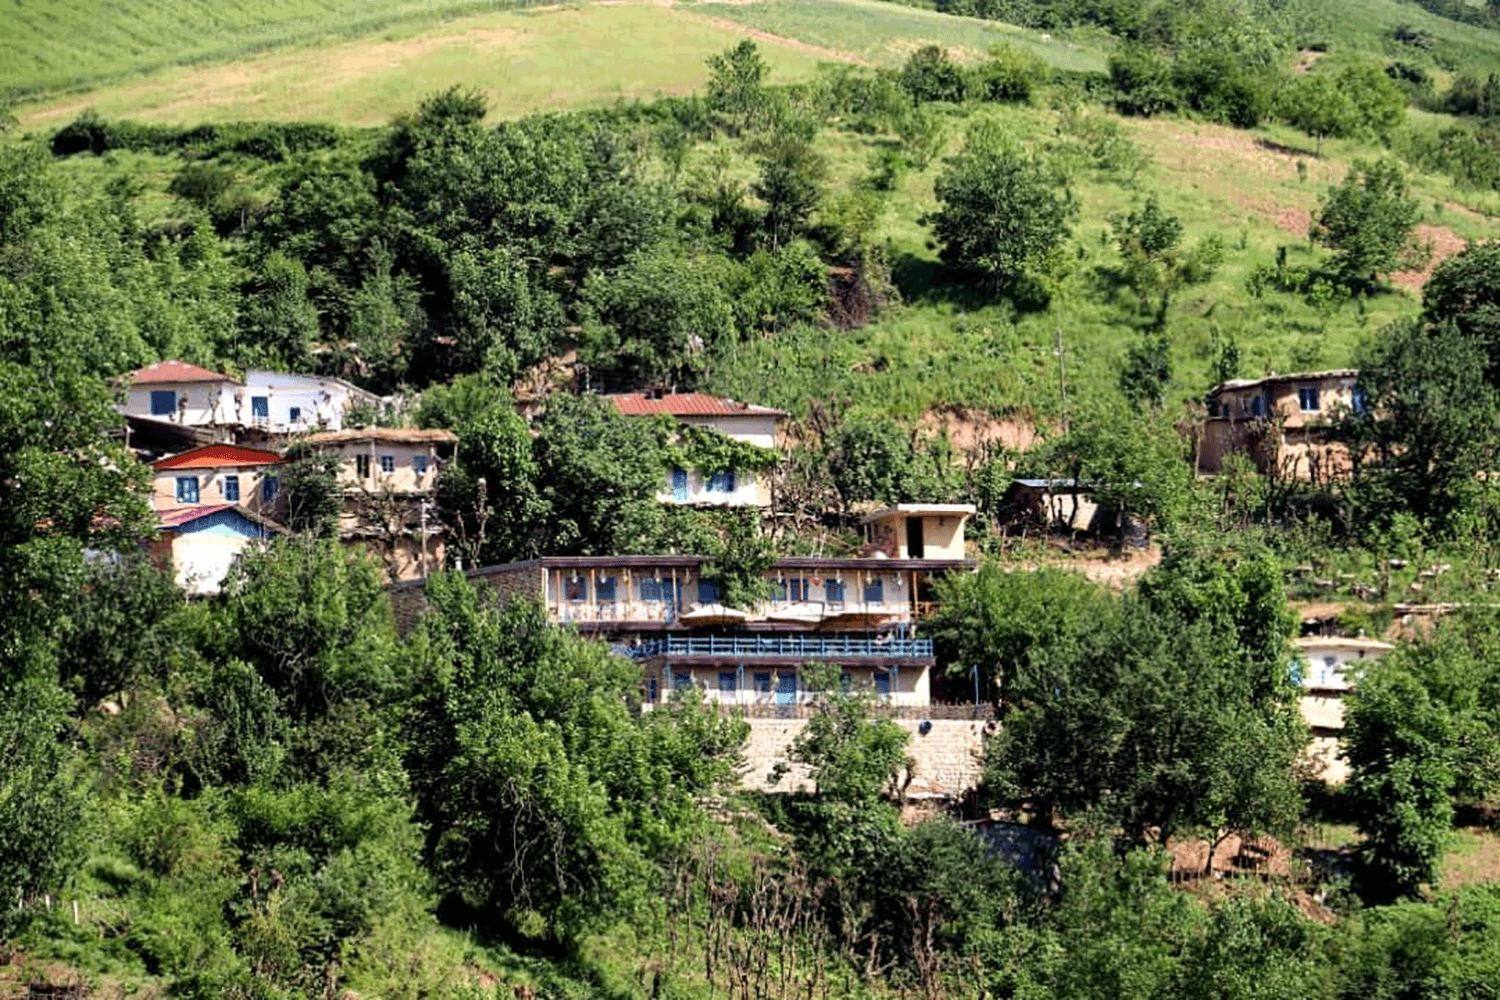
{"x":679,"y":485}
{"x":786,"y":689}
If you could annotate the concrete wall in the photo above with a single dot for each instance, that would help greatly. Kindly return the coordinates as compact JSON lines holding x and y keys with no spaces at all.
{"x":751,"y":489}
{"x":211,"y":486}
{"x":403,"y":477}
{"x":198,"y":403}
{"x":942,"y":536}
{"x":751,"y":429}
{"x":322,"y":402}
{"x":946,"y":761}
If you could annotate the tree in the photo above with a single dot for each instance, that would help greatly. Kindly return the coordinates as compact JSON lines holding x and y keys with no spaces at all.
{"x":1142,"y":80}
{"x":850,"y":758}
{"x":1147,"y":371}
{"x":1396,"y":740}
{"x":1316,"y":104}
{"x":599,"y":473}
{"x":546,"y":796}
{"x":658,"y":318}
{"x":491,"y":493}
{"x":1425,"y":426}
{"x":1001,"y":213}
{"x":930,"y":74}
{"x":791,"y":179}
{"x":736,"y":84}
{"x":313,"y":619}
{"x":280,"y":321}
{"x":1367,"y":220}
{"x":41,"y":801}
{"x":1465,"y":290}
{"x":310,"y":487}
{"x":1009,"y":74}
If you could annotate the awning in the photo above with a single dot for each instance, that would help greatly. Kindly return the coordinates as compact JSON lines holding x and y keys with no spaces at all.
{"x":714,"y":614}
{"x":802,"y":613}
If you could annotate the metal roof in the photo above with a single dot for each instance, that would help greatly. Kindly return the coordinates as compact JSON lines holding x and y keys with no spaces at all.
{"x":172,"y":372}
{"x":687,"y":404}
{"x":172,"y":519}
{"x":1250,"y":383}
{"x":215,"y":456}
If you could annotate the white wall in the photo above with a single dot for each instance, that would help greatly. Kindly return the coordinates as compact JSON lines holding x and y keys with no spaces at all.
{"x":750,"y":490}
{"x":198,"y":403}
{"x":749,"y":428}
{"x":322,"y":401}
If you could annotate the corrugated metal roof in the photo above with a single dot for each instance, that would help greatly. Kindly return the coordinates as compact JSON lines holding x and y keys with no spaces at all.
{"x":166,"y":372}
{"x":170,"y":520}
{"x":687,"y":404}
{"x":214,"y":456}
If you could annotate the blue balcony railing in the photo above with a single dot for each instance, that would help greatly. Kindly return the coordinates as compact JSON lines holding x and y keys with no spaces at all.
{"x":796,"y":647}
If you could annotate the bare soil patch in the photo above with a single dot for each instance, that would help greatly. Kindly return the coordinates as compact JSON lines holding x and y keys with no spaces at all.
{"x":973,"y":431}
{"x":1444,"y":243}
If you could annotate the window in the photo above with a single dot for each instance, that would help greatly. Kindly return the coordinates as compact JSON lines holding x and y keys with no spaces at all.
{"x":362,"y":466}
{"x":575,"y":588}
{"x":604,"y":590}
{"x":721,"y":482}
{"x":187,"y":489}
{"x":833,"y":591}
{"x":1360,"y":401}
{"x":761,"y":683}
{"x":163,"y":402}
{"x":883,"y":683}
{"x":1213,"y":407}
{"x":387,"y":464}
{"x":875,"y":591}
{"x":680,"y":485}
{"x":419,"y":464}
{"x":656,"y":590}
{"x":1258,"y":406}
{"x":1307,"y":398}
{"x":681,"y":680}
{"x":229,"y":486}
{"x":260,"y":407}
{"x":294,"y":415}
{"x":651,"y":689}
{"x":729,"y":681}
{"x":709,"y":591}
{"x":789,"y":589}
{"x":269,"y":487}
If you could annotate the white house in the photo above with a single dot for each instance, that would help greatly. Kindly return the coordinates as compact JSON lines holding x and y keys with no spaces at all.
{"x":744,"y":422}
{"x":179,"y":393}
{"x":1330,"y":667}
{"x":198,"y":545}
{"x":285,"y":403}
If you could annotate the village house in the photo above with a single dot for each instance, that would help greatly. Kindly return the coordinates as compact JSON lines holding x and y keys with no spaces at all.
{"x":388,"y":478}
{"x":269,"y":402}
{"x":286,"y":403}
{"x":176,"y":392}
{"x":1051,"y":505}
{"x":667,"y":612}
{"x":1330,"y":668}
{"x":210,"y":503}
{"x":216,"y":475}
{"x":743,"y":422}
{"x":1281,"y":423}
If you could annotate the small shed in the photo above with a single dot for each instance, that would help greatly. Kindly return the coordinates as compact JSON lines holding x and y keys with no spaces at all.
{"x":199,"y":544}
{"x":1054,"y":504}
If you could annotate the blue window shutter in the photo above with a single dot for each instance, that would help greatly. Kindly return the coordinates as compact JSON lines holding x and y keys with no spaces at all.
{"x":604,"y":590}
{"x":230,"y":485}
{"x":728,"y":680}
{"x":874,"y":591}
{"x":680,"y":485}
{"x":163,"y":402}
{"x":260,"y":407}
{"x":833,"y":591}
{"x":187,"y":489}
{"x":294,"y":414}
{"x":269,"y":486}
{"x":708,"y":591}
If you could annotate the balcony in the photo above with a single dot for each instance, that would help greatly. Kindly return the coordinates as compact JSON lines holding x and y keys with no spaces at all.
{"x":795,"y":648}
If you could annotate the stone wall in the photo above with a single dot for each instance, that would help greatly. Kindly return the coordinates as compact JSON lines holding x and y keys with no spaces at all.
{"x":945,"y":760}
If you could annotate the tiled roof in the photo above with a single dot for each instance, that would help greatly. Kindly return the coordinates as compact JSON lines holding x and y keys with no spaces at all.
{"x":169,"y":372}
{"x":687,"y":404}
{"x":214,"y":456}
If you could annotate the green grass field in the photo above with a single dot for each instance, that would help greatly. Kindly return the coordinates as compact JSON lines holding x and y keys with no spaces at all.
{"x":524,"y":61}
